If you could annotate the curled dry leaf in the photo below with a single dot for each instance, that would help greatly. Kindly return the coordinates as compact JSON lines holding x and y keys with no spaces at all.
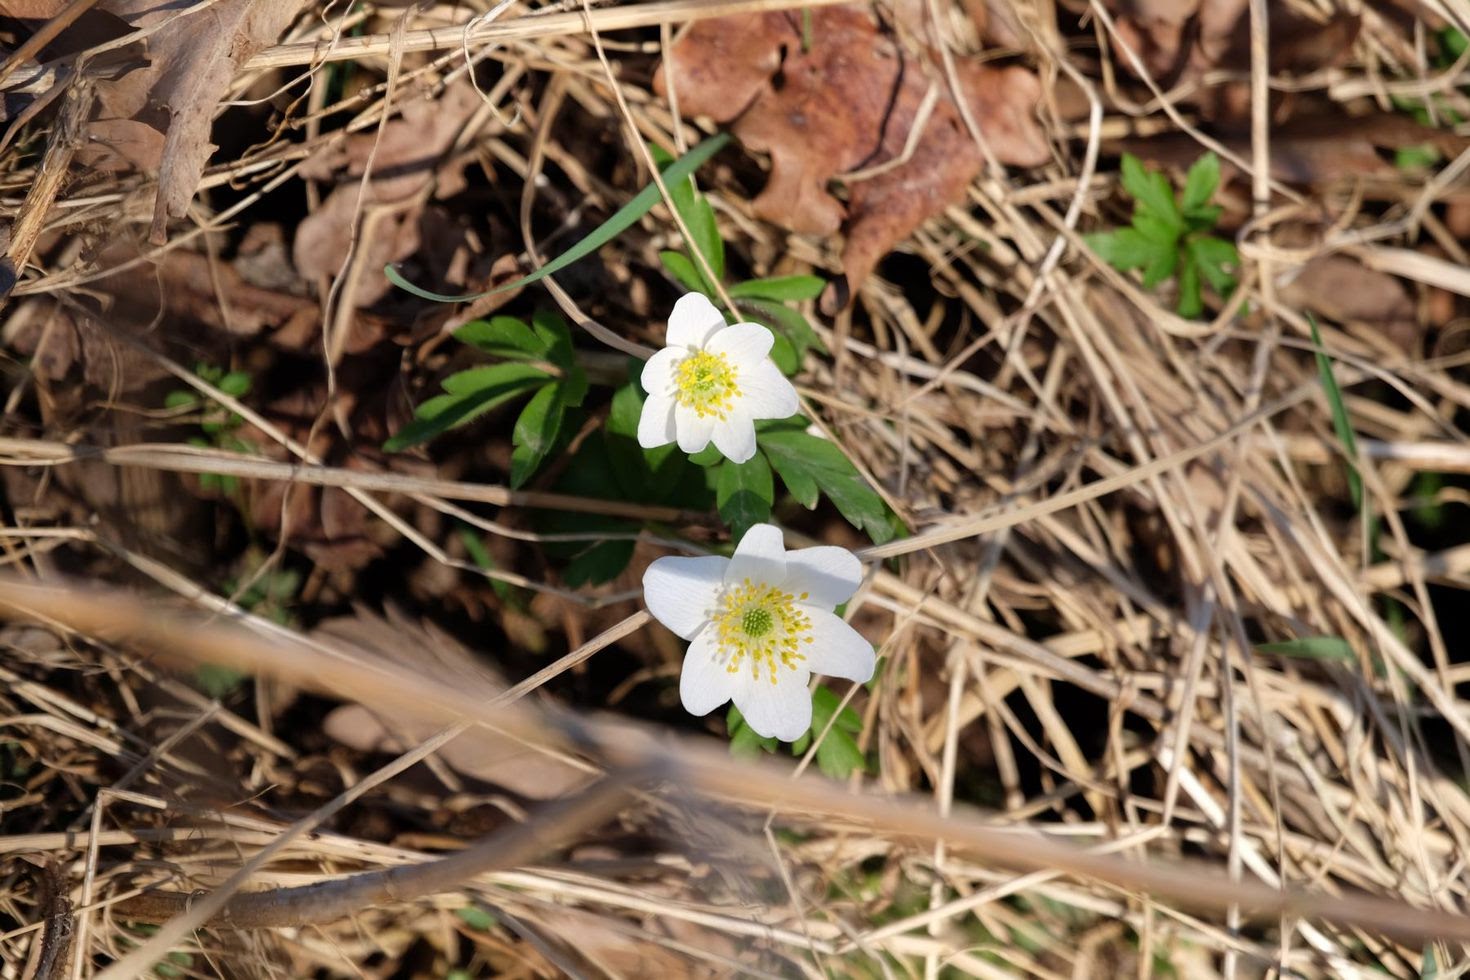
{"x":849,"y":103}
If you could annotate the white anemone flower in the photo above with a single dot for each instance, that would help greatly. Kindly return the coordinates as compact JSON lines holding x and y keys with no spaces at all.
{"x":713,"y":380}
{"x":760,"y":624}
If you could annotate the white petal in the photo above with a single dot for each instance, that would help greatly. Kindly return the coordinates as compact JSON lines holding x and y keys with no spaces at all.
{"x":681,"y":592}
{"x":656,"y":424}
{"x":658,"y":371}
{"x":766,"y":393}
{"x":704,"y":683}
{"x":735,"y":437}
{"x":692,"y":321}
{"x":837,"y":649}
{"x":782,"y":709}
{"x":744,"y":344}
{"x":827,"y":574}
{"x":694,"y":430}
{"x":760,"y":556}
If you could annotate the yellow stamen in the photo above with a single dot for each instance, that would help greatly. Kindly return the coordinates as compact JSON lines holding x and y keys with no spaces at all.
{"x":706,"y":382}
{"x":763,"y":624}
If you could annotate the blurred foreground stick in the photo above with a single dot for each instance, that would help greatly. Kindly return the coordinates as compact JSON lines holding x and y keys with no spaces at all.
{"x":687,"y":765}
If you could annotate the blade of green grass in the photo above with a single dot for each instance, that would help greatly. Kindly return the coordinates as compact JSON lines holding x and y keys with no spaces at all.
{"x":1340,"y":422}
{"x":620,"y":222}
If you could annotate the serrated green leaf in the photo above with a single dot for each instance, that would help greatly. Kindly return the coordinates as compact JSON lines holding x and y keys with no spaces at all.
{"x":805,"y":462}
{"x":602,"y":562}
{"x":623,"y":219}
{"x":1201,"y":183}
{"x":556,"y":335}
{"x":782,"y":289}
{"x":1125,"y":249}
{"x":1191,"y":303}
{"x":504,"y":336}
{"x":824,"y":703}
{"x":1160,"y":268}
{"x":1162,"y":234}
{"x":473,"y":396}
{"x":1314,"y":647}
{"x":743,"y":739}
{"x":641,"y":474}
{"x":535,"y":433}
{"x":684,"y":271}
{"x":839,"y":756}
{"x":707,"y":457}
{"x":1215,"y":257}
{"x":1150,"y":191}
{"x":744,"y":493}
{"x":1203,"y":219}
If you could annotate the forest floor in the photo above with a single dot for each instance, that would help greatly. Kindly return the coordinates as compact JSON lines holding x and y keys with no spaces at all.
{"x":1132,"y":341}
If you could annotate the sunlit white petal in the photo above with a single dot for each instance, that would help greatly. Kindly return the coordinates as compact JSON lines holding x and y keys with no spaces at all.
{"x":828,"y":574}
{"x":781,"y":710}
{"x":734,"y":437}
{"x":704,"y":683}
{"x":745,"y":344}
{"x":694,"y":429}
{"x":759,"y":556}
{"x":692,"y":321}
{"x":838,"y":650}
{"x":767,"y":392}
{"x":658,"y":371}
{"x":656,"y":423}
{"x":681,"y":592}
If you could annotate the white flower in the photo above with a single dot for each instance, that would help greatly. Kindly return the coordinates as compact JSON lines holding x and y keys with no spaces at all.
{"x":761,"y":624}
{"x":711,"y":381}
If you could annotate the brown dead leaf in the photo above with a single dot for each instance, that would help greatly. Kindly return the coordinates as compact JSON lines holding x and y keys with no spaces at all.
{"x":849,"y":104}
{"x":407,"y":161}
{"x":1340,"y":288}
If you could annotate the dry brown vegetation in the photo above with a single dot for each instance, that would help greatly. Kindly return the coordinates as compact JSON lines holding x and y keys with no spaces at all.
{"x":439,"y":757}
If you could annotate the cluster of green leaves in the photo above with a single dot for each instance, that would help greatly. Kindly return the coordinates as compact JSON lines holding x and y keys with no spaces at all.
{"x":217,"y":423}
{"x":1170,"y":236}
{"x":537,"y":359}
{"x":269,"y":596}
{"x":838,"y":754}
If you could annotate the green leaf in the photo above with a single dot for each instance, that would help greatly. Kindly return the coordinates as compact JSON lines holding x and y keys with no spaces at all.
{"x":805,"y":462}
{"x":623,"y":219}
{"x":684,"y":272}
{"x":784,"y":321}
{"x":700,"y":218}
{"x":1125,"y":249}
{"x":707,"y":457}
{"x":180,"y":398}
{"x":476,"y":917}
{"x":1429,"y":964}
{"x":1341,"y":424}
{"x":744,"y":494}
{"x":743,"y":739}
{"x":784,"y":356}
{"x":471,"y":394}
{"x":1163,"y":235}
{"x":236,"y":384}
{"x":1313,"y":647}
{"x":1150,"y":191}
{"x":602,"y":562}
{"x":535,"y":433}
{"x":782,"y":289}
{"x":217,"y":681}
{"x":1215,"y":256}
{"x":504,"y":336}
{"x":824,"y":703}
{"x":641,"y":474}
{"x":1160,"y":268}
{"x":1191,"y":303}
{"x":555,"y":334}
{"x":1201,"y":183}
{"x":839,"y":756}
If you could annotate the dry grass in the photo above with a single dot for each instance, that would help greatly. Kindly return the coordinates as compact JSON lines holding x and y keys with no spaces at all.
{"x":1084,"y":766}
